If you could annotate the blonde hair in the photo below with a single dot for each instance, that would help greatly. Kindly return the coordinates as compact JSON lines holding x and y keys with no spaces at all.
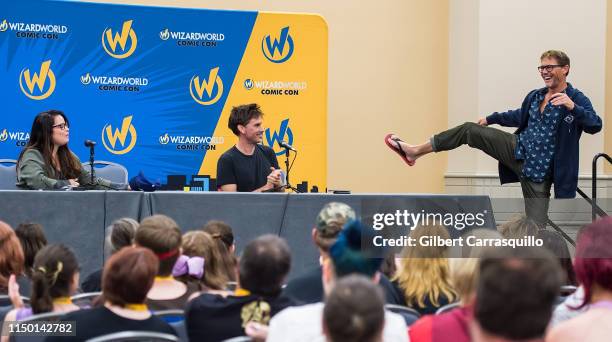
{"x":218,"y":269}
{"x":464,"y":271}
{"x":424,"y":271}
{"x":519,"y":226}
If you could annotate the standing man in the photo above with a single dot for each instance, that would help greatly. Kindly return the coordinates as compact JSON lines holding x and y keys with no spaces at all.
{"x":543,"y":150}
{"x":248,"y":166}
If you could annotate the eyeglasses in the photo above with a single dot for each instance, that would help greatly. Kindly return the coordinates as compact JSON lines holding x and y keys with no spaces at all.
{"x":549,"y":67}
{"x":63,"y":126}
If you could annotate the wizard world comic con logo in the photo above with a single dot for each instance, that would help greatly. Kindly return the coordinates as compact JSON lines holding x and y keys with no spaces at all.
{"x":38,"y":85}
{"x":120,"y":140}
{"x":123,"y":43}
{"x":278,"y":49}
{"x":206,"y":91}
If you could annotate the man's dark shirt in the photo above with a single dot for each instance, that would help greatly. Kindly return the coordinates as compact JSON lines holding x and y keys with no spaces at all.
{"x":211,"y":317}
{"x":247,"y":172}
{"x":308,"y":288}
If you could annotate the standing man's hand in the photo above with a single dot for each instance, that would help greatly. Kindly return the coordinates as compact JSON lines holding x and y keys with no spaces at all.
{"x":483,"y":122}
{"x":559,"y":99}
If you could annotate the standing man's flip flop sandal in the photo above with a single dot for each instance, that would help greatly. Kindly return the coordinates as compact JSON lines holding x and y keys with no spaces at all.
{"x":397,"y":148}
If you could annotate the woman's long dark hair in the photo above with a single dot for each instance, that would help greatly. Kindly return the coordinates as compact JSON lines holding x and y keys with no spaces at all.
{"x":41,"y":140}
{"x":54,"y":269}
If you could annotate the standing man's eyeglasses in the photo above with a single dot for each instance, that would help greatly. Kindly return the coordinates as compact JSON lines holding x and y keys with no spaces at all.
{"x":549,"y":68}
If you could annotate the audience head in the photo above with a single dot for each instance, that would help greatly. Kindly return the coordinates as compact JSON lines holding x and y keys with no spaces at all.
{"x":121,"y":233}
{"x":347,"y":257}
{"x":49,"y":129}
{"x":593,"y":261}
{"x":555,"y":243}
{"x":424,"y":271}
{"x":221,"y":231}
{"x":516,"y":291}
{"x":160,"y":234}
{"x":329,"y":223}
{"x":518,"y":227}
{"x":354,"y":311}
{"x":128,"y":276}
{"x":32,"y":239}
{"x":55,"y":274}
{"x":218,"y":264}
{"x":11,"y":256}
{"x":264,"y":264}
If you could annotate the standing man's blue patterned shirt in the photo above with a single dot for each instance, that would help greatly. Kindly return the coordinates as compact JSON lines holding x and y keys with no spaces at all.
{"x":536,"y":144}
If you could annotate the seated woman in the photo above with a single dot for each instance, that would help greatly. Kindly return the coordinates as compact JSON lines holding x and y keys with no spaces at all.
{"x":121,"y":235}
{"x":47,"y":163}
{"x":423,"y":278}
{"x":55,"y":278}
{"x":593,"y":266}
{"x":11,"y":259}
{"x":128,"y":275}
{"x":219,"y":266}
{"x":32,"y":239}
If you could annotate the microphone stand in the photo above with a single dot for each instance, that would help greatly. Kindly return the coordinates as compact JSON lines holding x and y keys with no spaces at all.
{"x":91,"y":163}
{"x":289,"y":186}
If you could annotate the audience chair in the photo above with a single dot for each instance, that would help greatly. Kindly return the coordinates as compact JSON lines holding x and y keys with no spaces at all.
{"x":5,"y":300}
{"x":8,"y":174}
{"x":85,"y":300}
{"x":238,"y":339}
{"x":135,"y":336}
{"x":114,"y":172}
{"x":181,"y":330}
{"x":447,"y":308}
{"x":170,"y":316}
{"x":409,"y":315}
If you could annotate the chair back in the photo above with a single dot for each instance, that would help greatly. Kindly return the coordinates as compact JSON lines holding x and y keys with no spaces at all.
{"x":238,"y":339}
{"x":84,"y":300}
{"x":170,"y":316}
{"x":447,"y":308}
{"x":114,"y":172}
{"x":5,"y":300}
{"x":135,"y":336}
{"x":8,"y":174}
{"x":181,"y":330}
{"x":409,"y":315}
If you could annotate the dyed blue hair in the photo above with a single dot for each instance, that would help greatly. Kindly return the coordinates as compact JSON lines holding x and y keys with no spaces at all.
{"x":348,"y":255}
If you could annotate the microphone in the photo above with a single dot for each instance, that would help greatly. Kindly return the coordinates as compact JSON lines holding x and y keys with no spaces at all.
{"x":287,"y":146}
{"x":90,"y":143}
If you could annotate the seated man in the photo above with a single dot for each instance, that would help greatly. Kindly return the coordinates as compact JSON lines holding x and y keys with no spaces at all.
{"x":516,"y":292}
{"x":249,"y":166}
{"x":264,"y":264}
{"x":304,"y":323}
{"x":308,"y":287}
{"x":354,"y":311}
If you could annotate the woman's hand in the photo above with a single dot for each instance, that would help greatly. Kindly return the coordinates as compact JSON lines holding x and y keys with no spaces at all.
{"x":13,"y":292}
{"x":74,"y":183}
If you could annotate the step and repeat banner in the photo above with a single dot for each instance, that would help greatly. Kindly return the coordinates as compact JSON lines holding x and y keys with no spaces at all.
{"x":154,"y":86}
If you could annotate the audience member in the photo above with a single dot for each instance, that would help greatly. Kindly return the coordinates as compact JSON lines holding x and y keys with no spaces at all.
{"x":223,"y":231}
{"x":120,"y":234}
{"x":162,"y":235}
{"x":127,"y":278}
{"x":555,"y":243}
{"x":55,"y":279}
{"x":454,"y":325}
{"x":517,"y":288}
{"x":518,"y":227}
{"x":11,"y":257}
{"x":308,"y":288}
{"x":204,"y":262}
{"x":304,"y":323}
{"x":593,"y":263}
{"x":263,"y":266}
{"x":354,"y":311}
{"x":423,"y":279}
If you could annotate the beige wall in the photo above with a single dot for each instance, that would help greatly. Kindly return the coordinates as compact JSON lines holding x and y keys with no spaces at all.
{"x":388,"y":72}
